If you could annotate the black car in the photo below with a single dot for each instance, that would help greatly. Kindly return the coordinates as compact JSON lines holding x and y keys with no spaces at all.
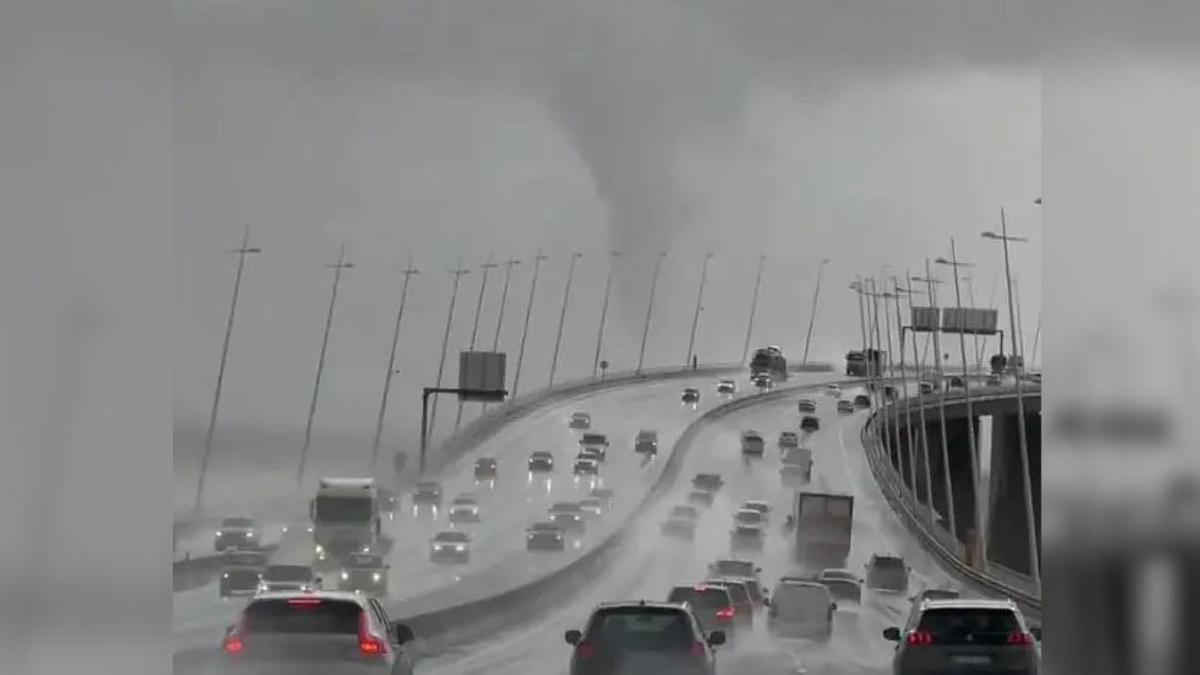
{"x":810,"y":423}
{"x":690,"y":395}
{"x":240,"y":572}
{"x":485,"y":468}
{"x":637,"y":637}
{"x":646,"y":443}
{"x":541,"y":462}
{"x":364,"y":573}
{"x":428,"y":492}
{"x":545,"y":537}
{"x":713,"y":605}
{"x":807,"y":405}
{"x":708,"y":481}
{"x":862,"y":401}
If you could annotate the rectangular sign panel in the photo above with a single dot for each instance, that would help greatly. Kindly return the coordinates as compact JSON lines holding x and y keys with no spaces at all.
{"x":482,"y":374}
{"x":967,"y":320}
{"x":924,"y":319}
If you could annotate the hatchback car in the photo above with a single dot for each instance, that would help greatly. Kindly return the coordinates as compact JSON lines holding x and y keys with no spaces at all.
{"x":486,"y":468}
{"x":541,"y":462}
{"x":752,"y":443}
{"x":690,"y":395}
{"x":713,"y":605}
{"x":807,"y":405}
{"x":843,"y":584}
{"x":580,"y":420}
{"x":801,"y":609}
{"x":643,"y":637}
{"x":887,"y":574}
{"x":453,"y":546}
{"x":862,"y":401}
{"x":544,"y":537}
{"x":810,"y":423}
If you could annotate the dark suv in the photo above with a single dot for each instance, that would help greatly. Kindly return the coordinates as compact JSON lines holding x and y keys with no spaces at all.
{"x":985,"y":636}
{"x":635,"y":637}
{"x":712,"y":604}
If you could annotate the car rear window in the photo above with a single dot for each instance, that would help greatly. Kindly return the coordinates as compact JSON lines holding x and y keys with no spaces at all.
{"x":301,"y":615}
{"x":641,"y":629}
{"x":236,"y":522}
{"x":287,"y":573}
{"x":737,"y":593}
{"x":451,"y":536}
{"x":800,"y":602}
{"x":704,"y":600}
{"x":963,"y":625}
{"x":736,"y":568}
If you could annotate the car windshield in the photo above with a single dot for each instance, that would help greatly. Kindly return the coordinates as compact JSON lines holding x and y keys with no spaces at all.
{"x":938,"y":594}
{"x":969,"y":625}
{"x":237,"y":522}
{"x":428,"y":487}
{"x":797,"y":602}
{"x":301,"y":615}
{"x":734,"y":568}
{"x":541,"y":455}
{"x":749,"y":517}
{"x":590,"y":439}
{"x":589,"y":503}
{"x":544,"y":527}
{"x":641,"y":629}
{"x":364,"y":560}
{"x":452,"y":537}
{"x":705,"y":599}
{"x":287,"y":573}
{"x":485,"y":462}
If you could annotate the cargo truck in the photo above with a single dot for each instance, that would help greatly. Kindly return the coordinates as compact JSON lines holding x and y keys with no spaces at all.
{"x":823,"y":526}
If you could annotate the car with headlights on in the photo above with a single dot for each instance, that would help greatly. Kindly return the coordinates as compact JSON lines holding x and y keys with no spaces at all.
{"x":586,"y":467}
{"x":240,"y":572}
{"x":364,"y":573}
{"x":726,"y":387}
{"x":427,"y":493}
{"x":236,"y":533}
{"x":646,"y":442}
{"x":807,"y":405}
{"x":690,"y":396}
{"x":541,"y":461}
{"x":546,"y":536}
{"x":580,"y":420}
{"x":464,"y":509}
{"x":450,"y":546}
{"x":595,"y":441}
{"x":311,"y":633}
{"x":486,"y":469}
{"x":845,"y":406}
{"x":965,"y":636}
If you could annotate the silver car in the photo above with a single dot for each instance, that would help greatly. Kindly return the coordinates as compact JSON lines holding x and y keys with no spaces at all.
{"x":306,"y":633}
{"x":965,"y":636}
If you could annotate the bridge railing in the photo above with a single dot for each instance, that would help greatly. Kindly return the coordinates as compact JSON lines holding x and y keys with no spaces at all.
{"x":917,"y":519}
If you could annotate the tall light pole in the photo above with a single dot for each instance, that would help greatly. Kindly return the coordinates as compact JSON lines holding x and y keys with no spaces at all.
{"x":753,"y":307}
{"x":212,"y":418}
{"x":508,"y":268}
{"x":457,"y":273}
{"x":921,"y":408}
{"x":649,"y":309}
{"x":337,"y":267}
{"x":857,"y":286}
{"x":486,"y":267}
{"x":391,"y":364}
{"x":930,"y":281}
{"x":912,"y":462}
{"x":562,"y":317}
{"x":969,"y":281}
{"x":612,"y":263}
{"x":1030,"y":519}
{"x":1019,"y":343}
{"x":696,"y":315}
{"x":894,"y":422}
{"x":873,"y":312}
{"x":537,"y":267}
{"x":978,"y":544}
{"x":812,"y":315}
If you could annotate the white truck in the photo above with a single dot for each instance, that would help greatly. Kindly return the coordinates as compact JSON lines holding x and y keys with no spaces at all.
{"x":346,"y":517}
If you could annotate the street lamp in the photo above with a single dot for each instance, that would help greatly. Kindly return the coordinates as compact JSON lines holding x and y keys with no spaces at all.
{"x":391,"y":366}
{"x":696,"y":315}
{"x":812,"y":315}
{"x":1030,"y":520}
{"x":977,"y":544}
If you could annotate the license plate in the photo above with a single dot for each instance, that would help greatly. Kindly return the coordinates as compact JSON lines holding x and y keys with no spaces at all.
{"x":971,"y":660}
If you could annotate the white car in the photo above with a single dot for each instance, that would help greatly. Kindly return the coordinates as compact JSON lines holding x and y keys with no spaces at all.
{"x":289,"y":632}
{"x":833,"y":389}
{"x":464,"y":509}
{"x":288,"y":578}
{"x":757,"y":505}
{"x":845,"y":406}
{"x":801,"y":609}
{"x":727,"y":387}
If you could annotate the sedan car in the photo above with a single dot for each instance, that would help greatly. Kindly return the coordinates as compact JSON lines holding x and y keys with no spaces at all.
{"x":690,"y":395}
{"x":580,"y":420}
{"x":727,"y":387}
{"x":789,"y":439}
{"x":541,"y":462}
{"x":236,"y":533}
{"x":453,"y":546}
{"x":810,"y":423}
{"x":595,"y":441}
{"x":547,"y":536}
{"x":681,"y":521}
{"x":605,"y":495}
{"x":801,"y":609}
{"x":240,"y":572}
{"x":862,"y":401}
{"x":486,"y":469}
{"x":592,"y":507}
{"x":701,"y":497}
{"x":807,"y":405}
{"x":845,"y":406}
{"x":570,"y":522}
{"x":747,"y":537}
{"x":763,"y":381}
{"x":428,"y":493}
{"x":708,"y":481}
{"x":464,"y":509}
{"x":364,"y":573}
{"x":843,"y":584}
{"x":758,"y":505}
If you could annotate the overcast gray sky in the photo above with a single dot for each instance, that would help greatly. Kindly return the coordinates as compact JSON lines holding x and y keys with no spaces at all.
{"x":451,"y":131}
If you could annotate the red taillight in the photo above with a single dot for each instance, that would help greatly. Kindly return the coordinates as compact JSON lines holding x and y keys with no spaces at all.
{"x":304,"y":602}
{"x":920,"y":637}
{"x":585,"y":650}
{"x":233,"y":645}
{"x":368,"y":644}
{"x":1020,"y":639}
{"x":698,"y":649}
{"x":725,"y":613}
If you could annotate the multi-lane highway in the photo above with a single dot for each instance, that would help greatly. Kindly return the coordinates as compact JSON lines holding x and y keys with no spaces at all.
{"x":654,"y":564}
{"x":498,"y":558}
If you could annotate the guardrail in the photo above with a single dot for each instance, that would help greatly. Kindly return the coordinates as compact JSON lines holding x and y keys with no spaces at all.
{"x":934,"y":539}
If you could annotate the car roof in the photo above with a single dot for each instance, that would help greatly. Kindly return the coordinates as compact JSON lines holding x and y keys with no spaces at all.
{"x":541,"y":453}
{"x":544,"y":525}
{"x":581,"y":414}
{"x":969,"y":603}
{"x":345,"y":596}
{"x":621,"y":604}
{"x":793,"y":581}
